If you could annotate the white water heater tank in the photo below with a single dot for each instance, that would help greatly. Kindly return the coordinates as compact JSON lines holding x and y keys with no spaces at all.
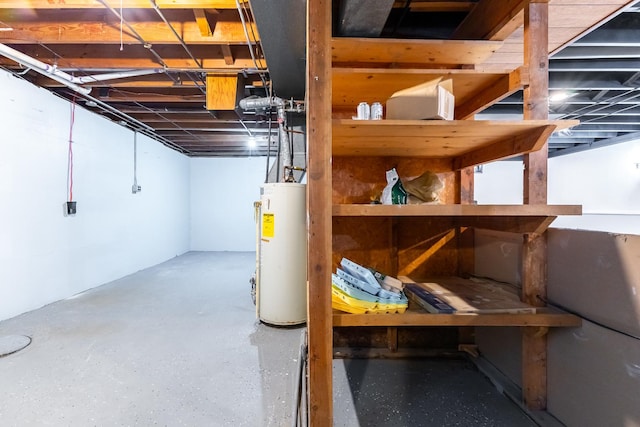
{"x":281,"y":297}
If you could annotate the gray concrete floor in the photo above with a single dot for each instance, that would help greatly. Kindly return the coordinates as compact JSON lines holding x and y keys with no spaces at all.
{"x":178,"y":344}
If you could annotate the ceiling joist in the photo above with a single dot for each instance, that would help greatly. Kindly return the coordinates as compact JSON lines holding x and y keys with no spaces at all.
{"x":190,"y":39}
{"x":102,"y":27}
{"x":127,"y":4}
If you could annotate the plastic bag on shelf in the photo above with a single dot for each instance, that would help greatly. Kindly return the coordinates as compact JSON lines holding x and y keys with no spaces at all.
{"x":394,"y":193}
{"x":426,"y":188}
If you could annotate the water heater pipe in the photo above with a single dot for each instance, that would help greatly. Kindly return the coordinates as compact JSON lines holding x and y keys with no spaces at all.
{"x":285,"y":160}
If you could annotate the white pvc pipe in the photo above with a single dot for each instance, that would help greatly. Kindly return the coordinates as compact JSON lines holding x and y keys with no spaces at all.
{"x":253,"y":103}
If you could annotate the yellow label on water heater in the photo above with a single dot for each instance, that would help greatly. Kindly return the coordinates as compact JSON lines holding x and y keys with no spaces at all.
{"x":268,"y":224}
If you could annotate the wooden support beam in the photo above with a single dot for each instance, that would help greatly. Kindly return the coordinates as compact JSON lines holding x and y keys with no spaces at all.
{"x":392,"y":338}
{"x":128,"y":4}
{"x":228,"y":55}
{"x":534,"y":345}
{"x":73,"y":57}
{"x":465,"y":235}
{"x":534,"y":389}
{"x":203,"y":22}
{"x":536,"y":97}
{"x":319,"y":320}
{"x":101,"y":28}
{"x":208,"y":64}
{"x":534,"y":254}
{"x":466,"y":180}
{"x":534,"y":245}
{"x":491,"y":20}
{"x":505,"y":86}
{"x":411,"y":53}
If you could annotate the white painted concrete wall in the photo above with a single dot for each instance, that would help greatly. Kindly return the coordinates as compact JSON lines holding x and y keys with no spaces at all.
{"x":45,"y":256}
{"x":222,"y":195}
{"x":605,"y":181}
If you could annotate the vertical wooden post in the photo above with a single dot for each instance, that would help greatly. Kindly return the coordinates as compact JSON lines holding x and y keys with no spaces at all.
{"x":319,"y":320}
{"x":466,"y":193}
{"x":464,"y":196}
{"x":466,"y":242}
{"x":392,"y":338}
{"x":534,"y":256}
{"x":536,"y":97}
{"x":392,"y":331}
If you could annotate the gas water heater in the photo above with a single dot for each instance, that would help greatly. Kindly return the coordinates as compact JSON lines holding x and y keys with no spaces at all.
{"x":281,"y":273}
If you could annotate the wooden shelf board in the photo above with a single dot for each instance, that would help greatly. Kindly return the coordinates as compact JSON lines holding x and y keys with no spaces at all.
{"x":457,"y":210}
{"x":404,"y":51}
{"x":350,"y":86}
{"x":441,"y":138}
{"x":544,"y":318}
{"x":468,"y":296}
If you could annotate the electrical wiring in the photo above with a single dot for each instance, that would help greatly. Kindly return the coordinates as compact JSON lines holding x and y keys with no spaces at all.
{"x":241,"y":12}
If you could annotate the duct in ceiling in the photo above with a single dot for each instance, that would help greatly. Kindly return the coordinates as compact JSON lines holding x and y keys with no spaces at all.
{"x":282,"y":28}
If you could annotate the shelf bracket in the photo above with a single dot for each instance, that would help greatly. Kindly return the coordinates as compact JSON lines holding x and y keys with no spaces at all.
{"x":540,"y":331}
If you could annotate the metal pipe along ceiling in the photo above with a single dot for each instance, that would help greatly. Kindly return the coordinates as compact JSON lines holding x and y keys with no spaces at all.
{"x":42,"y":68}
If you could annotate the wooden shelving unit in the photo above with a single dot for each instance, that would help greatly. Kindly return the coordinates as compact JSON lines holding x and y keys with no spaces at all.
{"x":347,"y":159}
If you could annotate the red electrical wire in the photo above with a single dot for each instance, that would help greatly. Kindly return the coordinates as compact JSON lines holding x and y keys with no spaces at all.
{"x":73,"y":113}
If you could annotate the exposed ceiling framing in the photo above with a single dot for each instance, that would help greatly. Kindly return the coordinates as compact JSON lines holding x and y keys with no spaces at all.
{"x":192,"y":43}
{"x":199,"y":57}
{"x":599,"y":74}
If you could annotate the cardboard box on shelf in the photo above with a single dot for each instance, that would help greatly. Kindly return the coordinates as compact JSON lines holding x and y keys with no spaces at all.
{"x":430,"y":100}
